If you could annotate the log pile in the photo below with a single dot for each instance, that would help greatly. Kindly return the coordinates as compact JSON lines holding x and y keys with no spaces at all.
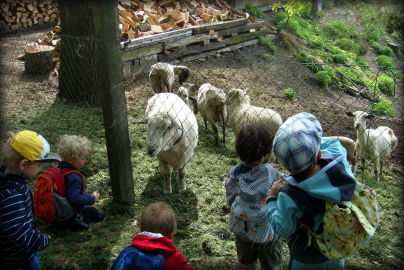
{"x":16,"y":14}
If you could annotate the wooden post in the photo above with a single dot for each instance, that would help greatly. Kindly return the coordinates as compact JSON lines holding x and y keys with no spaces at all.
{"x":109,"y":69}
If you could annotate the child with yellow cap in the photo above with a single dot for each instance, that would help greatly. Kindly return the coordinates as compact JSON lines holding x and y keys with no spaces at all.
{"x":21,"y":157}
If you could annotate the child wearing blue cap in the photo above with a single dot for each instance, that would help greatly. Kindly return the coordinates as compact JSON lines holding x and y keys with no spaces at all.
{"x":319,"y":172}
{"x":20,"y":159}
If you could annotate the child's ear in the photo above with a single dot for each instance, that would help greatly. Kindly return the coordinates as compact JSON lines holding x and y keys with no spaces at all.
{"x":22,"y":164}
{"x":170,"y":235}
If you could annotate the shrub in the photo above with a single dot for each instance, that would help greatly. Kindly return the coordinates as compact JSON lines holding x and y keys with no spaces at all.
{"x":373,"y":33}
{"x":339,"y":58}
{"x":326,"y":76}
{"x":363,"y":48}
{"x":386,"y":84}
{"x":339,"y":29}
{"x":347,"y":44}
{"x":383,"y":107}
{"x":267,"y":44}
{"x":280,"y":19}
{"x":361,"y":62}
{"x":386,"y":51}
{"x":290,"y":93}
{"x":376,"y":46}
{"x":386,"y":63}
{"x":255,"y":11}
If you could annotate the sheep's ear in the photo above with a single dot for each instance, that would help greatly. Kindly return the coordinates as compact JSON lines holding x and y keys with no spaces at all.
{"x":349,"y":114}
{"x":143,"y":121}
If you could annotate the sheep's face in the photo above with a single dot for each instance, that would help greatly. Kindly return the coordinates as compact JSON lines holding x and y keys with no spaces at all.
{"x":360,"y":119}
{"x":183,"y":93}
{"x":162,"y":134}
{"x":237,"y":96}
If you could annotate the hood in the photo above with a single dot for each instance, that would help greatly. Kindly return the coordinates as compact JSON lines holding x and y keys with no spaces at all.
{"x":148,"y":242}
{"x":335,"y":182}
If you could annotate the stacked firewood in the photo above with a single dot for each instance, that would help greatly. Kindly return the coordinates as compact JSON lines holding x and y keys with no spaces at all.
{"x":20,"y":13}
{"x":140,"y":18}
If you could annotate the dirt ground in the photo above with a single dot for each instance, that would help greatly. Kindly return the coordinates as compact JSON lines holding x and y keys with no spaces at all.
{"x":266,"y":77}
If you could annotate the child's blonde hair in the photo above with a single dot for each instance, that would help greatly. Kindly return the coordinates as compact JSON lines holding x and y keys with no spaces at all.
{"x":73,"y":147}
{"x":9,"y":157}
{"x":158,"y":218}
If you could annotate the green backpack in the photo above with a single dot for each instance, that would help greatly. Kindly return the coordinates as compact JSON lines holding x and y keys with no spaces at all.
{"x":348,"y":225}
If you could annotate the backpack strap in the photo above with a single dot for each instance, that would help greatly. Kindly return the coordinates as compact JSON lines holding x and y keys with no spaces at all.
{"x":66,"y":171}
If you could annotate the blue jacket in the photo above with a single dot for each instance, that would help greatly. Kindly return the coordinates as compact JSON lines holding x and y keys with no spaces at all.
{"x":75,"y":193}
{"x":303,"y":201}
{"x":18,"y":240}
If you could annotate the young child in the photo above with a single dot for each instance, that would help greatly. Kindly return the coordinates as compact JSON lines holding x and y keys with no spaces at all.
{"x":319,"y":171}
{"x":157,"y":226}
{"x":21,"y":157}
{"x":74,"y":151}
{"x":247,"y":188}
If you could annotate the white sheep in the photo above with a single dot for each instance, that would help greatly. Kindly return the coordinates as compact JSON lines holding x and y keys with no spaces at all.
{"x":373,"y":144}
{"x":350,"y":146}
{"x":183,"y":93}
{"x":211,"y":104}
{"x":162,"y":76}
{"x":172,"y":135}
{"x":241,"y":112}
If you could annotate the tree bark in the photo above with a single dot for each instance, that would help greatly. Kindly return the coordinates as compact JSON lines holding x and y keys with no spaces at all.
{"x":108,"y":55}
{"x":77,"y":77}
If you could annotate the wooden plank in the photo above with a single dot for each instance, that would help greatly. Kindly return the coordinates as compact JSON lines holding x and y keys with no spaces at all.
{"x":189,"y":40}
{"x":150,"y":40}
{"x":197,"y":56}
{"x":240,"y":29}
{"x":195,"y":49}
{"x":218,"y":25}
{"x":239,"y":45}
{"x":244,"y":37}
{"x":141,"y":52}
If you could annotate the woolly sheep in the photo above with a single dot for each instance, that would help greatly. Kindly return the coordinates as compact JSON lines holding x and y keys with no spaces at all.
{"x":241,"y":112}
{"x":162,"y":76}
{"x":172,"y":135}
{"x":373,"y":144}
{"x":211,"y":104}
{"x":350,"y":146}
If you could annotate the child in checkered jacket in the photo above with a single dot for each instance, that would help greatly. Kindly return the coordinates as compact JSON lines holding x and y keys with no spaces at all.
{"x":247,"y":188}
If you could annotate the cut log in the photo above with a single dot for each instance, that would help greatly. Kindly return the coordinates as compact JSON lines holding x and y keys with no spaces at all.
{"x":38,"y":59}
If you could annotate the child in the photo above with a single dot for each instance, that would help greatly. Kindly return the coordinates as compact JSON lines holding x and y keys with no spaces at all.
{"x":247,"y":187}
{"x":21,"y":157}
{"x":319,"y":171}
{"x":157,"y":226}
{"x":74,"y":151}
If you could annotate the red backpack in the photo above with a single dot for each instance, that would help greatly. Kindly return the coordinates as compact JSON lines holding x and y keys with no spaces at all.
{"x":50,"y":202}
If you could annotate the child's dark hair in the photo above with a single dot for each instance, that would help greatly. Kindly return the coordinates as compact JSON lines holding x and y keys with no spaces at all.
{"x":254,"y":142}
{"x":158,"y":218}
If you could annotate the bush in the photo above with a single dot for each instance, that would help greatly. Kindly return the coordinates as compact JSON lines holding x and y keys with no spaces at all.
{"x":361,"y":62}
{"x":373,"y":33}
{"x":339,"y":58}
{"x":326,"y":76}
{"x":255,"y":11}
{"x":386,"y":84}
{"x":267,"y":44}
{"x":386,"y":63}
{"x":280,"y":19}
{"x":347,"y":44}
{"x":386,"y":51}
{"x":363,"y":48}
{"x":383,"y":107}
{"x":290,"y":93}
{"x":339,"y":29}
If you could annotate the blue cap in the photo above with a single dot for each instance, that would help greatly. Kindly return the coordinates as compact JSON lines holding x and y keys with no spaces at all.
{"x":297,"y":142}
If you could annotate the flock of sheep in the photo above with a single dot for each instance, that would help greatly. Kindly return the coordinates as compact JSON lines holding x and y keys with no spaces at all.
{"x":172,"y":128}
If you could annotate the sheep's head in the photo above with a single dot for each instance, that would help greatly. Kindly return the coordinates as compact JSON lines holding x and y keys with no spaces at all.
{"x":237,"y":96}
{"x":162,"y":133}
{"x":360,"y":118}
{"x":183,"y":93}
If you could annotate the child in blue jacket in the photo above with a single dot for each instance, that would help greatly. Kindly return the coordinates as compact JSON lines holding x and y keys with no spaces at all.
{"x":319,"y":171}
{"x":74,"y":151}
{"x":21,"y":157}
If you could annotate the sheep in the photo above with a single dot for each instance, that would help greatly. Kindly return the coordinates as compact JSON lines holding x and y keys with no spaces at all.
{"x":350,"y":146}
{"x":241,"y":112}
{"x":162,"y":76}
{"x":172,"y":135}
{"x":211,"y":104}
{"x":373,"y":144}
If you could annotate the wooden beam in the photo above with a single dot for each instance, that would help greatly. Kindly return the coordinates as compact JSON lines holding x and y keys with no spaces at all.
{"x":141,"y":52}
{"x":195,"y":49}
{"x":218,"y":26}
{"x":151,"y":40}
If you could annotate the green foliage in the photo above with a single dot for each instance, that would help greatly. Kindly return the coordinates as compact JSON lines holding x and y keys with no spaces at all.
{"x":386,"y":63}
{"x":339,"y":29}
{"x":327,"y":5}
{"x":386,"y":51}
{"x":267,"y":44}
{"x":255,"y":11}
{"x":347,"y":44}
{"x":383,"y":107}
{"x":361,"y":62}
{"x":373,"y":33}
{"x":290,"y":93}
{"x":280,"y":19}
{"x":386,"y":84}
{"x":294,"y":7}
{"x":326,"y":76}
{"x":363,"y":48}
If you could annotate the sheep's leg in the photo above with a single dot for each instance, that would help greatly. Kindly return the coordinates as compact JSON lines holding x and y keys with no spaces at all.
{"x":224,"y":129}
{"x":215,"y":131}
{"x":166,"y":170}
{"x":376,"y":163}
{"x":181,"y":180}
{"x":354,"y":165}
{"x":381,"y":168}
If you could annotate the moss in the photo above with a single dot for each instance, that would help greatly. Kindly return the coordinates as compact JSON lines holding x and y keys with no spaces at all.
{"x":386,"y":84}
{"x":267,"y":44}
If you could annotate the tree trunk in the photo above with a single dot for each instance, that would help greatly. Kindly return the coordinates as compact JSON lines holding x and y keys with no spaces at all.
{"x":315,"y":7}
{"x":109,"y":69}
{"x":77,"y":76}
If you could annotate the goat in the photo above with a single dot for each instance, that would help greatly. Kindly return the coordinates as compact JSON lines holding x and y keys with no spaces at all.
{"x":211,"y":104}
{"x":172,"y":135}
{"x":350,"y":146}
{"x":241,"y":112}
{"x":162,"y":76}
{"x":373,"y":144}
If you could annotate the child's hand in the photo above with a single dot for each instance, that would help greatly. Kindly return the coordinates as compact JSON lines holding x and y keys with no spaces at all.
{"x":97,"y":195}
{"x":274,"y":165}
{"x":276,"y":187}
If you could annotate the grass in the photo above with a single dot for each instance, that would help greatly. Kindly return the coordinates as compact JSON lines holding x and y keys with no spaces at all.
{"x":202,"y":213}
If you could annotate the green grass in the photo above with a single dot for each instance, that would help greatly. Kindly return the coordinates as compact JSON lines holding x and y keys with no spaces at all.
{"x":202,"y":213}
{"x":290,"y":93}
